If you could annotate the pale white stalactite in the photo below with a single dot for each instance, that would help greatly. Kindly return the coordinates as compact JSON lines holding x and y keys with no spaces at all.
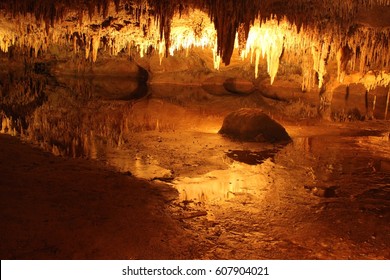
{"x":192,"y":30}
{"x":340,"y":72}
{"x":95,"y":47}
{"x":141,"y":50}
{"x":257,"y":62}
{"x":269,"y":39}
{"x":216,"y":56}
{"x":320,"y":55}
{"x":307,"y":70}
{"x":273,"y":57}
{"x":266,"y":39}
{"x":161,"y":50}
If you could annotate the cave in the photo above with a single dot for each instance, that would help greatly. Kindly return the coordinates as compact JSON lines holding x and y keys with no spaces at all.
{"x":110,"y":113}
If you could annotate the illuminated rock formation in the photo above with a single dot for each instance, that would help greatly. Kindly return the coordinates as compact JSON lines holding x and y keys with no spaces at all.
{"x":312,"y":34}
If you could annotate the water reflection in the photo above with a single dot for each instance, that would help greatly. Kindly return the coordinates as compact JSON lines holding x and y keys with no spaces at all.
{"x":221,"y":185}
{"x":139,"y":165}
{"x":20,"y":94}
{"x":105,"y":88}
{"x":331,"y":165}
{"x":144,"y":131}
{"x":351,"y":164}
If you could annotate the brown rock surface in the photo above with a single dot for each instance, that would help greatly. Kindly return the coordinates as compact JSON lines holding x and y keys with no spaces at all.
{"x":253,"y":125}
{"x":239,"y":86}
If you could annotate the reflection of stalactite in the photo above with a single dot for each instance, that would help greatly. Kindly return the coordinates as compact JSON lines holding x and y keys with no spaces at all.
{"x":19,"y":97}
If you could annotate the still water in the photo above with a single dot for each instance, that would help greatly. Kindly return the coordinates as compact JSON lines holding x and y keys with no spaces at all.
{"x":168,"y":132}
{"x":330,"y":173}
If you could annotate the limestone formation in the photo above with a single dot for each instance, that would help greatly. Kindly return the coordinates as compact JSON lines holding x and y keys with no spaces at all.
{"x":250,"y":124}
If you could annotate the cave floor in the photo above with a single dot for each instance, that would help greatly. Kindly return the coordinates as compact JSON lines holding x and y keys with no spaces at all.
{"x":150,"y":178}
{"x":324,"y":196}
{"x":198,"y":195}
{"x":62,"y":208}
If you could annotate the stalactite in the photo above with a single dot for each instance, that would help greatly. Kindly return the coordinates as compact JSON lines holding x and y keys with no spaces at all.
{"x":267,"y":40}
{"x":227,"y":17}
{"x":95,"y":47}
{"x":320,"y":55}
{"x":308,"y":73}
{"x":165,"y":10}
{"x":191,"y":30}
{"x":326,"y":31}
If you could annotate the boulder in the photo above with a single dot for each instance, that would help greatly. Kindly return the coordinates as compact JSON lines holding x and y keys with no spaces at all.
{"x":250,"y":124}
{"x":221,"y":85}
{"x":239,"y":86}
{"x":214,"y":85}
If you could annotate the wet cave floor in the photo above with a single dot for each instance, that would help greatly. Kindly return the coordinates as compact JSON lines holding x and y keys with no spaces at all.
{"x":324,"y":196}
{"x":173,"y":188}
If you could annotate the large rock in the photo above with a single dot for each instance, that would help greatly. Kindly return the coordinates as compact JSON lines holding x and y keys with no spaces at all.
{"x":253,"y":125}
{"x":220,"y":85}
{"x":215,"y":85}
{"x":239,"y":86}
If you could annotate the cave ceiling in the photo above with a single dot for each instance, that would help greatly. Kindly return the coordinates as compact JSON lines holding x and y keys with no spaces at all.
{"x":311,"y":33}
